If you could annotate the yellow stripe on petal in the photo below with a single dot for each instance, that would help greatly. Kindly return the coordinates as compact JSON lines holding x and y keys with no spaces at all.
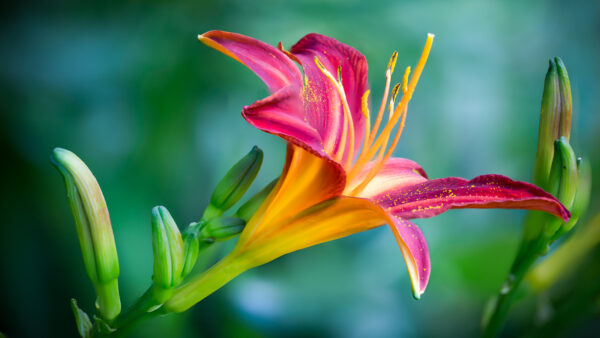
{"x":305,"y":181}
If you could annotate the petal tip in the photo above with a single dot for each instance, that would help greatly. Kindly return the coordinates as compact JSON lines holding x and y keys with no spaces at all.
{"x":417,"y":294}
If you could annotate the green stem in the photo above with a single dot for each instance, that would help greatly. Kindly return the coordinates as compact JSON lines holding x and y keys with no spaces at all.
{"x":206,"y":283}
{"x":504,"y":300}
{"x":140,"y":310}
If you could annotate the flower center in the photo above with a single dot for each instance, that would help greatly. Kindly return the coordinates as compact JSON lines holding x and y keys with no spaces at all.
{"x":374,"y":144}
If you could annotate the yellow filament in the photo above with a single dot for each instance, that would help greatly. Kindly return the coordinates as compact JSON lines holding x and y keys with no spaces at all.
{"x":388,"y":79}
{"x":348,"y":121}
{"x":400,"y":111}
{"x":405,"y":98}
{"x":380,"y":161}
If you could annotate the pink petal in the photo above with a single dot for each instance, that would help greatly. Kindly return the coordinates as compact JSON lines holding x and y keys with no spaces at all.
{"x":433,"y":197}
{"x":280,"y":114}
{"x":415,"y":253}
{"x":269,"y":63}
{"x":395,"y":174}
{"x":322,"y":101}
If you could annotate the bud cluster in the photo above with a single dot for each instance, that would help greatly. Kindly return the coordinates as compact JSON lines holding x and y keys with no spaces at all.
{"x":174,"y":253}
{"x":557,"y":168}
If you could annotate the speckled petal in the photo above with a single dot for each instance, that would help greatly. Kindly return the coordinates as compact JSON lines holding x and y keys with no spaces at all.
{"x":433,"y":197}
{"x":322,"y":101}
{"x":415,"y":252}
{"x":269,"y":63}
{"x":278,"y":114}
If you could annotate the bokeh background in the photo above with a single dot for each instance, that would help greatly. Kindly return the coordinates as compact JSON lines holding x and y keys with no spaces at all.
{"x":156,"y":116}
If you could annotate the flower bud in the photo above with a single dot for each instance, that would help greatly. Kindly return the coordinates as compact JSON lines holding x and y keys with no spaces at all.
{"x":167,"y":246}
{"x":223,"y":228}
{"x":248,"y":209}
{"x":563,"y":180}
{"x":235,"y":184}
{"x":582,"y":196}
{"x":555,"y":118}
{"x":568,"y":177}
{"x":94,"y":230}
{"x":191,"y":248}
{"x":549,"y":124}
{"x":566,"y":101}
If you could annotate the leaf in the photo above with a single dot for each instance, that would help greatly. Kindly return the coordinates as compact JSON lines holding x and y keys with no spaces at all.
{"x":84,"y":325}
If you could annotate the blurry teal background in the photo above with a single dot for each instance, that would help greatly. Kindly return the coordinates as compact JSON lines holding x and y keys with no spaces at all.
{"x":156,"y":116}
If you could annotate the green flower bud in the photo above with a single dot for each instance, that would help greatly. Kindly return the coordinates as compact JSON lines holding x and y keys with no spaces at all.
{"x":555,"y":118}
{"x":167,"y":246}
{"x":222,"y":228}
{"x":549,"y":124}
{"x":566,"y":101}
{"x":94,"y":230}
{"x":582,"y":196}
{"x":235,"y":184}
{"x":567,"y":180}
{"x":248,"y":209}
{"x":568,"y":177}
{"x":191,"y":248}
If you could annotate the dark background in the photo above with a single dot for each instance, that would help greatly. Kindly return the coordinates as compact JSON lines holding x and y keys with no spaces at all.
{"x":155,"y":115}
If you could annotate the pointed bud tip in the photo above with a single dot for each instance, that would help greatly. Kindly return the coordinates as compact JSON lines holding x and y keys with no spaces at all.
{"x":60,"y":156}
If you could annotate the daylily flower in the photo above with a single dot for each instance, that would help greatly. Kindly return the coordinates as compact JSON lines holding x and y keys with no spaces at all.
{"x":339,"y":177}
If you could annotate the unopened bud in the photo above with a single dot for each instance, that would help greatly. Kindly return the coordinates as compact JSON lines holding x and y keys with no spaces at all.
{"x":549,"y":123}
{"x":167,"y":246}
{"x":582,"y":196}
{"x":555,"y":118}
{"x":566,"y":101}
{"x":93,"y":230}
{"x":248,"y":209}
{"x":564,"y":171}
{"x":235,"y":184}
{"x":191,"y":247}
{"x":223,"y":228}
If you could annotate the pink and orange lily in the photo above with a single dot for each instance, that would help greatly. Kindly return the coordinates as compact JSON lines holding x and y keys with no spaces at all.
{"x":339,"y":177}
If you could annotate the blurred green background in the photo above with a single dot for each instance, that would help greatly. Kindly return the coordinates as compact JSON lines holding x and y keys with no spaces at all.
{"x":156,"y":116}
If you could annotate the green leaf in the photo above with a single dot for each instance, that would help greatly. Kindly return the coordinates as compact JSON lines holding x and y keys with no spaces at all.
{"x":84,"y":325}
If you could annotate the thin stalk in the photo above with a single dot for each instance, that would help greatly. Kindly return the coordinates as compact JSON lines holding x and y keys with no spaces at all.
{"x":494,"y":321}
{"x":141,"y":309}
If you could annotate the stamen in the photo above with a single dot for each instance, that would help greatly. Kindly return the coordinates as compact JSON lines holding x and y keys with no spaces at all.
{"x":367,"y":115}
{"x":365,"y":104}
{"x":405,"y":80}
{"x":400,"y":111}
{"x":392,"y":100}
{"x":388,"y":79}
{"x":348,"y":121}
{"x":405,"y":98}
{"x":339,"y":74}
{"x":392,"y":62}
{"x":368,"y":142}
{"x":381,"y":159}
